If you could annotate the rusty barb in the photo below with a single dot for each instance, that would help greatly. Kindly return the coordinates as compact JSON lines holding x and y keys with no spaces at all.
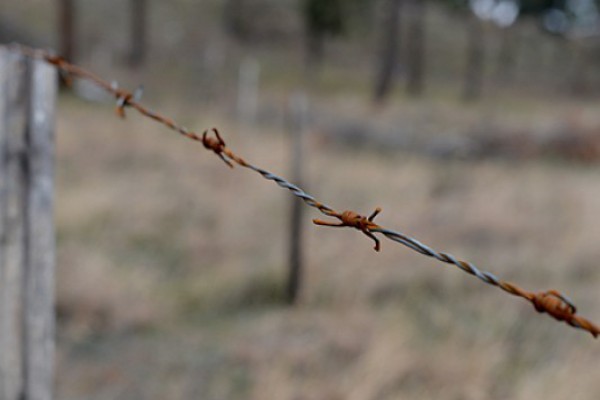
{"x":355,"y":220}
{"x":562,"y":309}
{"x":551,"y":302}
{"x":216,"y":144}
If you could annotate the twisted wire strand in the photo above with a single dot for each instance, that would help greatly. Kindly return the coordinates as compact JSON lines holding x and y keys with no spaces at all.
{"x":552,"y":302}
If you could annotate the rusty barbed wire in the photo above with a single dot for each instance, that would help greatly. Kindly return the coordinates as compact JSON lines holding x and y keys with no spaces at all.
{"x":551,"y":302}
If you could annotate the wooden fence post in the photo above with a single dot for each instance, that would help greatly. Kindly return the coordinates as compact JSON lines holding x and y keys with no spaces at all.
{"x":298,"y":116}
{"x":27,"y":243}
{"x":12,"y":124}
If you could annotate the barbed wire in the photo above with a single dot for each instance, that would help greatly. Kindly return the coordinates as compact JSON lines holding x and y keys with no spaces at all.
{"x":552,"y":302}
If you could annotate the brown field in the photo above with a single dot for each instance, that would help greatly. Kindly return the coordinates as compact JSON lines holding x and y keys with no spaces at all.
{"x":171,"y":269}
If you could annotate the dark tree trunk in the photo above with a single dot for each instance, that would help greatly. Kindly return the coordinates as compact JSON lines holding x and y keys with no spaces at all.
{"x":390,"y":40}
{"x":506,"y":57}
{"x":137,"y":52}
{"x":66,"y":29}
{"x":233,"y":16}
{"x":322,"y":19}
{"x":475,"y":60}
{"x":415,"y":62}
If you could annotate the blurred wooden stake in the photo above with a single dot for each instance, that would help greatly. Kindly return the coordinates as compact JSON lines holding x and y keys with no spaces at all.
{"x":298,"y":122}
{"x":13,"y":110}
{"x":27,"y":102}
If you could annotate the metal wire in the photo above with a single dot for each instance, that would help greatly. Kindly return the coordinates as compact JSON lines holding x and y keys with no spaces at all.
{"x":552,"y":302}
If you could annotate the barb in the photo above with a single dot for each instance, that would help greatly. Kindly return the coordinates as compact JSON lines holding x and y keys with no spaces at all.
{"x":217,"y":145}
{"x":551,"y":302}
{"x":354,"y":220}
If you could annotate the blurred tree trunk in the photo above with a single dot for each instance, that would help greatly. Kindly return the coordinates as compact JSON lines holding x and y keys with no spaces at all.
{"x":138,"y":43}
{"x":322,"y":18}
{"x":234,"y":18}
{"x":415,"y":61}
{"x":475,"y":59}
{"x":66,"y":29}
{"x":390,"y":40}
{"x":507,"y":54}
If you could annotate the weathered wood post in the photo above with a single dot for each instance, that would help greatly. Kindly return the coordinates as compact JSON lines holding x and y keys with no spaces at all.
{"x":298,"y":121}
{"x":27,"y":243}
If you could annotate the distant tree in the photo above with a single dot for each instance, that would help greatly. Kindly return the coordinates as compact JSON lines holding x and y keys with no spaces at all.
{"x":138,"y":42}
{"x":66,"y":29}
{"x":234,"y":18}
{"x":575,"y":21}
{"x":564,"y":18}
{"x":475,"y":49}
{"x":537,"y":7}
{"x":415,"y":59}
{"x":475,"y":62}
{"x":358,"y":16}
{"x":322,"y":18}
{"x":389,"y":46}
{"x":507,"y":56}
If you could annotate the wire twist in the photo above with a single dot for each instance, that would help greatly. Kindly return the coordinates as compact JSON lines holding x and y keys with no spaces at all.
{"x":551,"y":302}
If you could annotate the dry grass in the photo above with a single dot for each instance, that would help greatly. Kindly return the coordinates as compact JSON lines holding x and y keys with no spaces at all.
{"x":171,"y":268}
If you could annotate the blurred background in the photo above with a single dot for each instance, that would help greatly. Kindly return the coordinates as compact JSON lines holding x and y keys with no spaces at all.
{"x":474,"y":124}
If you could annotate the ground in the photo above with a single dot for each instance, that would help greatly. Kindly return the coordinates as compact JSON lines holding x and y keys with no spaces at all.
{"x":172,"y":266}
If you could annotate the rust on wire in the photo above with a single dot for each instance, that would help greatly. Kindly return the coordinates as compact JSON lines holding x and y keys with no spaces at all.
{"x":562,"y":309}
{"x":355,"y":220}
{"x":123,"y":100}
{"x":216,"y":145}
{"x":551,"y":302}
